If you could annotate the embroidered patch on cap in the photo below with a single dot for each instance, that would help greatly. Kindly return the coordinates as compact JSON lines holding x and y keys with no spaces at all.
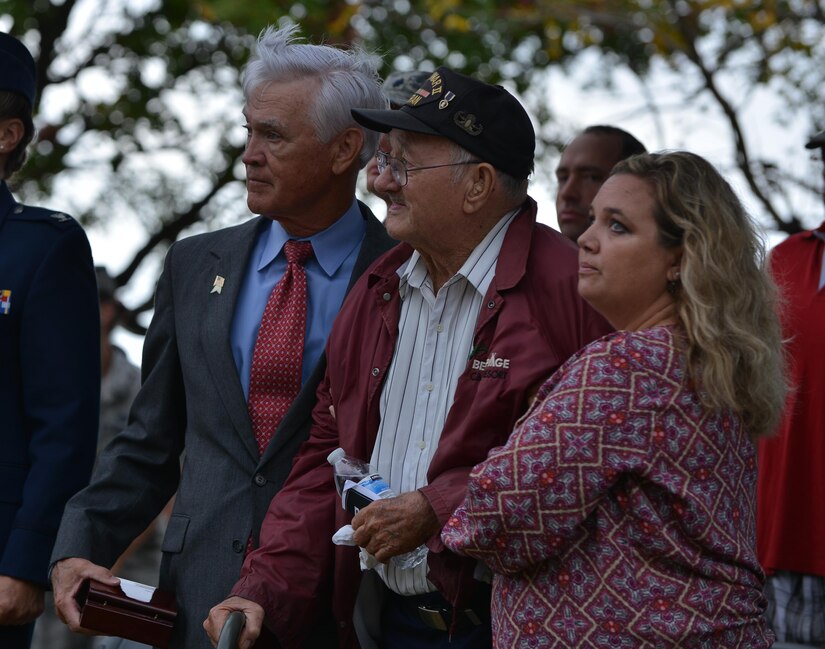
{"x":468,"y":122}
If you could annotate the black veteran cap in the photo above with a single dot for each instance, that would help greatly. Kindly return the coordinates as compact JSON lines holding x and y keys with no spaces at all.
{"x":16,"y":67}
{"x":817,"y":141}
{"x":484,"y":119}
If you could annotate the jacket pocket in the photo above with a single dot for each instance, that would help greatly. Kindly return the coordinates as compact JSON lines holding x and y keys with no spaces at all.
{"x":175,"y":535}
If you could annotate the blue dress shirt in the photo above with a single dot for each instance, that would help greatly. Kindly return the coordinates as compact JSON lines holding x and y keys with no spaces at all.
{"x":328,"y":274}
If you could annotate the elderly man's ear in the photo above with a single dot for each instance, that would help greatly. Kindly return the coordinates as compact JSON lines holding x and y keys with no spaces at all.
{"x":346,"y":148}
{"x":479,"y":184}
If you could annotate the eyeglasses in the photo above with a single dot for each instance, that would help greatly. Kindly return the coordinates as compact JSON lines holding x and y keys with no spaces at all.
{"x":399,"y":168}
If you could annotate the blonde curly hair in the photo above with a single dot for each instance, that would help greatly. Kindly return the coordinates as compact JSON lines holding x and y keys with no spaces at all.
{"x":726,"y":301}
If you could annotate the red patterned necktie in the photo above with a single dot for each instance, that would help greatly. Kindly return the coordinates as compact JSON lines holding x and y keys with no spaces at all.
{"x":275,"y":378}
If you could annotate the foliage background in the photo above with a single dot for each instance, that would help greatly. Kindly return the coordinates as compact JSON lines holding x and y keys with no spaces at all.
{"x":139,"y":100}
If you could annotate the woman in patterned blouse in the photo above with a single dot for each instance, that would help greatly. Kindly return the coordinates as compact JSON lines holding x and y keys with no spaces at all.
{"x":621,"y":511}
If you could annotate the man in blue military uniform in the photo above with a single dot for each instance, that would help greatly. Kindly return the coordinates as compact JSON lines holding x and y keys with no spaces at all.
{"x":49,"y":365}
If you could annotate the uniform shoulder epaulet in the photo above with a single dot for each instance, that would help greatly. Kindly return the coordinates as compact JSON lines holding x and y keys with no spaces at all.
{"x":29,"y":213}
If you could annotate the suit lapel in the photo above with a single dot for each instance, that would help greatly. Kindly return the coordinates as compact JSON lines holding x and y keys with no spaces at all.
{"x":228,"y":262}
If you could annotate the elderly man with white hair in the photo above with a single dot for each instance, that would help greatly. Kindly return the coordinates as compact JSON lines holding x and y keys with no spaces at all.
{"x":234,"y":352}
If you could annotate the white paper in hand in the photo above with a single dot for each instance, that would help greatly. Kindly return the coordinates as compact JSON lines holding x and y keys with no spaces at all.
{"x":140,"y":592}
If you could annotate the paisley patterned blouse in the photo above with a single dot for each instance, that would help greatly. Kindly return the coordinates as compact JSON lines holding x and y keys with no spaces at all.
{"x":621,"y":512}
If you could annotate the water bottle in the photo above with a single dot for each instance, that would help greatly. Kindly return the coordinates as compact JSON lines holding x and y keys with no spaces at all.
{"x":347,"y":468}
{"x":360,"y":472}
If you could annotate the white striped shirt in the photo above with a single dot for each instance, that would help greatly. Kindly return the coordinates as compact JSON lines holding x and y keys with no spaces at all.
{"x":435,"y":332}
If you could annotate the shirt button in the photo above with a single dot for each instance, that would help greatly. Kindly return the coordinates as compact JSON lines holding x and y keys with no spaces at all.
{"x":491,"y":305}
{"x":428,"y":387}
{"x":439,"y":327}
{"x":421,"y":444}
{"x":260,"y":480}
{"x":375,"y":371}
{"x":387,"y":297}
{"x":237,"y":546}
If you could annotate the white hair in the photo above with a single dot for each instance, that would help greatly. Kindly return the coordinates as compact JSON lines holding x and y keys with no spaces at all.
{"x":515,"y":189}
{"x":348,"y":78}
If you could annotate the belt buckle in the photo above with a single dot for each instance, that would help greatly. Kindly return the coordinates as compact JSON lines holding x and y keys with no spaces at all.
{"x":433,"y":618}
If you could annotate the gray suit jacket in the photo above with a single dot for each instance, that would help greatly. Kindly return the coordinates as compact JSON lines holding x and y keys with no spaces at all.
{"x":191,"y":399}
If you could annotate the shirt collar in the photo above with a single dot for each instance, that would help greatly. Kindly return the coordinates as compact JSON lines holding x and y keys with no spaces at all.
{"x":330,"y":247}
{"x":414,"y":273}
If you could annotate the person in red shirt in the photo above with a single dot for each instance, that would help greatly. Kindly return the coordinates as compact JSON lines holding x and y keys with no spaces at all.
{"x":791,"y":493}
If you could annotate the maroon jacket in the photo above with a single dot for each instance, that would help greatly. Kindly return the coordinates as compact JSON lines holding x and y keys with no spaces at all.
{"x":531,"y":321}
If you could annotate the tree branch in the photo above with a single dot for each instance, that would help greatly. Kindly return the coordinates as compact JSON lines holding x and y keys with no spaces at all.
{"x":51,"y":25}
{"x":743,"y":160}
